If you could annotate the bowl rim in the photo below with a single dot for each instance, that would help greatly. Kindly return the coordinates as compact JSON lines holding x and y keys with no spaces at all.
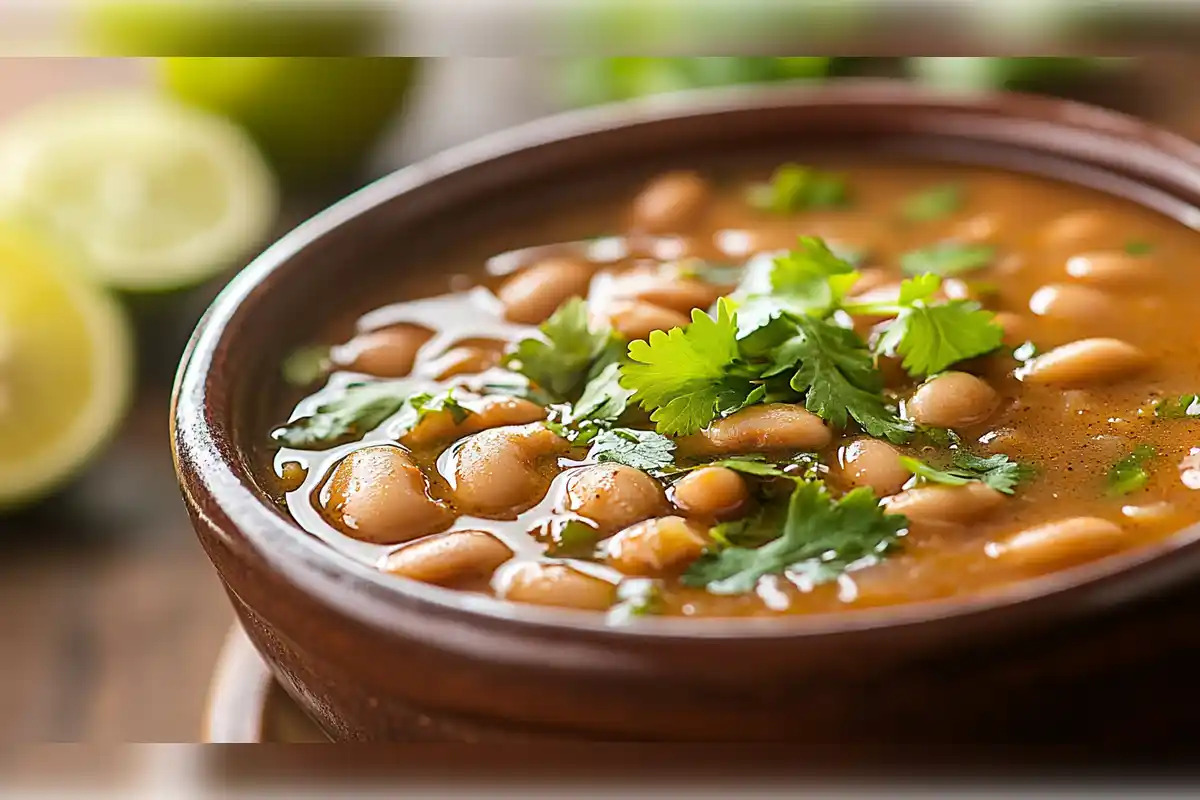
{"x":204,"y":457}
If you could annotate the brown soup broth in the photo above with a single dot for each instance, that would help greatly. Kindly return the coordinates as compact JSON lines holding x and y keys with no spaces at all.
{"x":1043,"y":233}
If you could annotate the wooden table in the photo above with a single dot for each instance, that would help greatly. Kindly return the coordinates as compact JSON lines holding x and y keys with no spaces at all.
{"x":110,"y":616}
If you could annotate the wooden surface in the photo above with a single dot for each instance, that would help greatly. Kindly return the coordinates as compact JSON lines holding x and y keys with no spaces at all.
{"x":110,"y":616}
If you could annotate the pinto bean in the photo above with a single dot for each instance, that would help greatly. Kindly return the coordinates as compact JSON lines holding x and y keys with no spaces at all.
{"x":384,"y":353}
{"x":1086,"y":361}
{"x":1059,"y":542}
{"x":378,"y":494}
{"x":665,"y":288}
{"x":1111,"y":268}
{"x":945,"y":504}
{"x":503,"y":471}
{"x":670,"y":201}
{"x":656,"y":546}
{"x":448,"y":557}
{"x":534,"y":293}
{"x":952,"y":400}
{"x":1014,"y":326}
{"x":774,"y":426}
{"x":614,"y":496}
{"x":467,"y":359}
{"x":556,"y":585}
{"x":710,"y":492}
{"x":490,"y":412}
{"x":875,"y":464}
{"x":637,"y":320}
{"x":1075,"y":228}
{"x":1070,"y":303}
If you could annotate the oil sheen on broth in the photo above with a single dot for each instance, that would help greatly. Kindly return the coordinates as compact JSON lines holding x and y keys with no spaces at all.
{"x":820,"y":441}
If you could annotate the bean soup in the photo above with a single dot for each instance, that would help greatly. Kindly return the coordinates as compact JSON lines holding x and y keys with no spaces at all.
{"x":799,"y":391}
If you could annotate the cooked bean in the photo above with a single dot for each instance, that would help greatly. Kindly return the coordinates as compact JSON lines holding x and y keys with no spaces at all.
{"x":978,"y":228}
{"x":1056,"y":543}
{"x":1110,"y":268}
{"x":535,"y":292}
{"x":490,"y":412}
{"x":378,"y":494}
{"x":385,"y":353}
{"x":503,"y":471}
{"x":945,"y":504}
{"x":669,"y":202}
{"x":665,"y":288}
{"x":614,"y":496}
{"x":1075,"y":228}
{"x":636,"y":320}
{"x":873,"y":463}
{"x":556,"y":585}
{"x":1077,"y":304}
{"x":656,"y":545}
{"x":1086,"y":361}
{"x":449,"y":557}
{"x":467,"y":359}
{"x":774,"y":426}
{"x":952,"y":400}
{"x":710,"y":492}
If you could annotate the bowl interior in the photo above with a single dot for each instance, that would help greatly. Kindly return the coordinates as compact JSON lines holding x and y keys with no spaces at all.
{"x":413,"y":217}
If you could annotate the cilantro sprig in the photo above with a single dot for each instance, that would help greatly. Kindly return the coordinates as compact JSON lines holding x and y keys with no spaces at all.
{"x":360,"y":409}
{"x":559,"y":360}
{"x":795,"y":188}
{"x":1130,"y":473}
{"x":820,"y":539}
{"x":997,"y":471}
{"x":947,"y":258}
{"x":931,"y":336}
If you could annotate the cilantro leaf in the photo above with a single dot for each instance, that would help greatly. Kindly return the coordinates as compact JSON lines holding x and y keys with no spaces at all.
{"x":996,"y":471}
{"x":511,"y":384}
{"x":821,"y":538}
{"x":809,"y":280}
{"x":1182,"y":407}
{"x":419,"y":406}
{"x":697,"y":269}
{"x":684,"y":375}
{"x":306,"y":365}
{"x":573,"y":538}
{"x":559,"y":361}
{"x":350,"y":416}
{"x":636,"y":597}
{"x":932,"y":203}
{"x":795,"y":188}
{"x":947,"y":258}
{"x":834,"y":368}
{"x":1130,"y":474}
{"x":932,"y":336}
{"x":604,"y":399}
{"x":644,"y":450}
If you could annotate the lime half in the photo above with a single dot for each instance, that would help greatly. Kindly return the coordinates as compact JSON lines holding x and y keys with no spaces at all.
{"x":65,"y":369}
{"x":146,"y":193}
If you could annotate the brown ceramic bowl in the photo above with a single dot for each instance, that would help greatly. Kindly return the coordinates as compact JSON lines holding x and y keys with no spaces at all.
{"x":374,"y":657}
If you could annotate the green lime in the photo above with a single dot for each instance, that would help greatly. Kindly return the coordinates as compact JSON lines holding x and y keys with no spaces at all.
{"x":313,"y":117}
{"x":147,"y":194}
{"x":65,"y":368}
{"x":230,"y":27}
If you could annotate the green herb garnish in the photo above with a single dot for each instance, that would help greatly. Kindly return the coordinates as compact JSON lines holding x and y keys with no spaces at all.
{"x":795,"y":188}
{"x":932,"y":336}
{"x":996,"y":471}
{"x":810,"y":280}
{"x":820,"y":539}
{"x":1137,"y":247}
{"x":933,"y":203}
{"x":636,"y":597}
{"x":1130,"y":474}
{"x":1182,"y":407}
{"x":560,"y":360}
{"x":709,"y":272}
{"x":573,"y":538}
{"x":306,"y":365}
{"x":947,"y":258}
{"x":644,"y":450}
{"x":359,"y":410}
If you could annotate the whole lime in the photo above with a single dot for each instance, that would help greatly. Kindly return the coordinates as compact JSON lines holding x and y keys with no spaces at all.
{"x":313,"y":117}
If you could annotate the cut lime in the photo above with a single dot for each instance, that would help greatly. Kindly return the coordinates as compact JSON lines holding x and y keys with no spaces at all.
{"x":147,"y":194}
{"x":65,"y":369}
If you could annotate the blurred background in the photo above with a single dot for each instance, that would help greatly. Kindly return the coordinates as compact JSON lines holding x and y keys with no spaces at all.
{"x":133,"y":188}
